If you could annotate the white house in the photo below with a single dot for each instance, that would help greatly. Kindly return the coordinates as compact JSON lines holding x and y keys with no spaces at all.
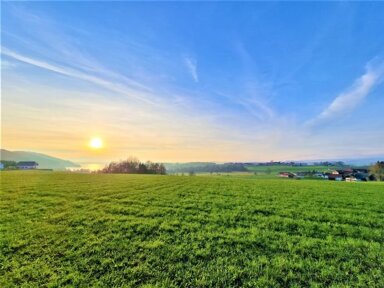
{"x":27,"y":165}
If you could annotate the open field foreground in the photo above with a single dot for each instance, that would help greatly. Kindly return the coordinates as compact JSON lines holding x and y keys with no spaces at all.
{"x":86,"y":230}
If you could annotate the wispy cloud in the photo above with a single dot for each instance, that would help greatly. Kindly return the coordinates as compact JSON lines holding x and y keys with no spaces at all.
{"x":252,"y":100}
{"x":191,"y":64}
{"x":348,"y":100}
{"x":112,"y":86}
{"x":251,"y":104}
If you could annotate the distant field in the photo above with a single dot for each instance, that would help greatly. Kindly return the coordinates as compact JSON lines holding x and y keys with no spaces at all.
{"x":87,"y":230}
{"x":274,"y":169}
{"x":248,"y":174}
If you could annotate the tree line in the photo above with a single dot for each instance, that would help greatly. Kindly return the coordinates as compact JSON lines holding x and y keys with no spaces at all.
{"x":9,"y":165}
{"x":327,"y":163}
{"x":206,"y":167}
{"x":134,"y":166}
{"x":378,"y":170}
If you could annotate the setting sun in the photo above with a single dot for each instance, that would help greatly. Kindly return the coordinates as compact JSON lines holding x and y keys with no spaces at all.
{"x":96,"y":143}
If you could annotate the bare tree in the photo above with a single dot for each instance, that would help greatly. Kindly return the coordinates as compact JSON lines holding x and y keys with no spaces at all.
{"x":133,"y":166}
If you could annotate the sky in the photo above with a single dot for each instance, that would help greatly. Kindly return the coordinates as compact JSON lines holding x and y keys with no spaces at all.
{"x":193,"y":81}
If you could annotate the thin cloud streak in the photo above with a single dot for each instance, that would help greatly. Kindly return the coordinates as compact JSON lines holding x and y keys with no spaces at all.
{"x":252,"y":104}
{"x":348,"y":100}
{"x":115,"y":87}
{"x":192,"y":68}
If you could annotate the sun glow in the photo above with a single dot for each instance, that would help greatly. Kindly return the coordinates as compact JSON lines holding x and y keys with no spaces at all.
{"x":96,"y":143}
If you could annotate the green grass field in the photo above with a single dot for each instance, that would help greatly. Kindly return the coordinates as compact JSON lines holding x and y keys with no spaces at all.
{"x":87,"y":230}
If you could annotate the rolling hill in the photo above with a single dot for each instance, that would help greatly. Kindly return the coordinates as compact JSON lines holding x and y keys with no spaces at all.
{"x":45,"y":161}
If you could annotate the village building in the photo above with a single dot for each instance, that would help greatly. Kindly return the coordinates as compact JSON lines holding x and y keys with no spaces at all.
{"x":335,"y":177}
{"x":287,"y":175}
{"x":351,"y":179}
{"x":27,"y":165}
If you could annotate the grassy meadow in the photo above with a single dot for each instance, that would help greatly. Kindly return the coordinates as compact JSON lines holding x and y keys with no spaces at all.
{"x":88,"y":230}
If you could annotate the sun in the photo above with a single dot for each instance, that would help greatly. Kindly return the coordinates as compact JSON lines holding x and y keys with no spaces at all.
{"x":96,"y":143}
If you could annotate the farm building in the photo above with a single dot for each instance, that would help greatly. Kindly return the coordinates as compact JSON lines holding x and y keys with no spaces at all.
{"x":1,"y":166}
{"x":335,"y":177}
{"x":350,"y":175}
{"x":27,"y":165}
{"x":287,"y":175}
{"x":351,"y":179}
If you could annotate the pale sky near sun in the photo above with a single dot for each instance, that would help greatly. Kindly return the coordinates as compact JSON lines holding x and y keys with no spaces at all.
{"x":193,"y":81}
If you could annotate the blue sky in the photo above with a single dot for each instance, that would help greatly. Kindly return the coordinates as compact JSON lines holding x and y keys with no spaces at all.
{"x":203,"y":81}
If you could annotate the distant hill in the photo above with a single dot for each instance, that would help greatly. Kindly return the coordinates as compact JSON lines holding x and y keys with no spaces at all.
{"x":257,"y":166}
{"x":45,"y":161}
{"x":200,"y":167}
{"x":364,"y":161}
